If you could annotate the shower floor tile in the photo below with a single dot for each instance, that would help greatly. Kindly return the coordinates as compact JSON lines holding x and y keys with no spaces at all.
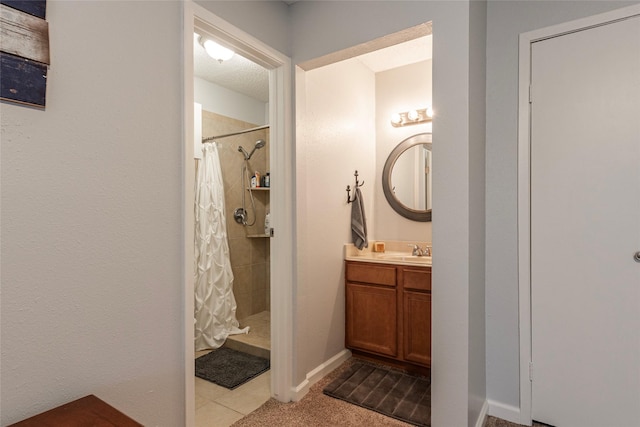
{"x":258,"y":340}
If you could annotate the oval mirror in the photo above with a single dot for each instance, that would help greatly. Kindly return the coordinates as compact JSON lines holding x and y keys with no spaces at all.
{"x":406,"y":178}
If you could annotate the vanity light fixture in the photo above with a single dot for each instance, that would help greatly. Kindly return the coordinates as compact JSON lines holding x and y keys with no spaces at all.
{"x":216,"y":51}
{"x":412,"y":117}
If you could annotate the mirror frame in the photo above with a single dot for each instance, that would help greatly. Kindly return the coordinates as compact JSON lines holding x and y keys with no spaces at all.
{"x":405,"y":211}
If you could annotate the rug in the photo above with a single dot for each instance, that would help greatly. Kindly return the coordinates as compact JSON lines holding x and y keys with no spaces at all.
{"x":230,"y":368}
{"x":317,"y":409}
{"x":384,"y":390}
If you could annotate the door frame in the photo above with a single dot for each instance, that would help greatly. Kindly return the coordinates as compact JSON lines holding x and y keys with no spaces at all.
{"x":283,"y":258}
{"x":524,"y":172}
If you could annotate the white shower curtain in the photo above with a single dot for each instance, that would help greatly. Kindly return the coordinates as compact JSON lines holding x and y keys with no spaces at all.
{"x":215,"y":305}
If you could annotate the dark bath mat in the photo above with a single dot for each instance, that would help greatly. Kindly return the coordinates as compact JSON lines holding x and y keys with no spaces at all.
{"x":387,"y":391}
{"x":230,"y":368}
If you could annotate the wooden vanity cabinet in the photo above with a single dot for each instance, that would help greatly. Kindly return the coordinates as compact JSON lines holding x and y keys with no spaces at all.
{"x":388,"y":311}
{"x":416,"y":314}
{"x":371,"y":308}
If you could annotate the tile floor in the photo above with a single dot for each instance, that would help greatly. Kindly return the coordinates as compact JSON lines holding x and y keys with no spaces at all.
{"x":220,"y":407}
{"x":258,"y":340}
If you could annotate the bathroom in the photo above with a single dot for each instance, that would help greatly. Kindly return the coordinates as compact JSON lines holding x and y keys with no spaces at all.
{"x":222,"y":109}
{"x":338,"y":136}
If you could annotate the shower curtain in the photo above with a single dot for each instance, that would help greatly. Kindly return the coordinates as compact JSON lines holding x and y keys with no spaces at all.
{"x":215,"y":305}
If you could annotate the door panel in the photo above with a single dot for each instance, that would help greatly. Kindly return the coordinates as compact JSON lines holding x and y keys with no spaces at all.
{"x":585,"y":227}
{"x":417,"y":327}
{"x":371,"y":318}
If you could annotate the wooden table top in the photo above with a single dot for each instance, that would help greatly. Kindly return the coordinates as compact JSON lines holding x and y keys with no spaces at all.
{"x":88,"y":411}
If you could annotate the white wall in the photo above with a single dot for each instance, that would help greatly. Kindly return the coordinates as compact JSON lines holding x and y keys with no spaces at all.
{"x":335,"y":136}
{"x":400,"y":89}
{"x":220,"y":100}
{"x":91,"y":218}
{"x":320,"y":28}
{"x":506,"y":20}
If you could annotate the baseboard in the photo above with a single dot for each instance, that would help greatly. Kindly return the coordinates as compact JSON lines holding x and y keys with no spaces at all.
{"x":503,"y":411}
{"x":318,"y":373}
{"x":483,"y":414}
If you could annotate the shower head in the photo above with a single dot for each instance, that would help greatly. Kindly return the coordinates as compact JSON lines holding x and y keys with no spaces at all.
{"x":259,"y":144}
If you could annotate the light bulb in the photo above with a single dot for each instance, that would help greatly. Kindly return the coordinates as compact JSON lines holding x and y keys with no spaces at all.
{"x":214,"y":50}
{"x":413,"y":115}
{"x":396,"y":118}
{"x":429,"y":112}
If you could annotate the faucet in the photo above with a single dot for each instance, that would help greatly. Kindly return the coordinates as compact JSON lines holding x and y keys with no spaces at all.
{"x":421,"y":252}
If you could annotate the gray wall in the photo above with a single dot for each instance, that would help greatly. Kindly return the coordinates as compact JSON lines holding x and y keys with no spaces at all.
{"x":91,"y":197}
{"x":506,"y":20}
{"x":268,"y":21}
{"x":477,"y":120}
{"x":91,"y":218}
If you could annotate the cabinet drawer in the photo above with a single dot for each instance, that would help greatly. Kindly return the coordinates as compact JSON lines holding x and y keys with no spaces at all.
{"x":418,"y":279}
{"x":371,"y":273}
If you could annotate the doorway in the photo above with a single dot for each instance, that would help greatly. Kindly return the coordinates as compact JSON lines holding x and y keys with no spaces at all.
{"x":579,"y":203}
{"x":281,"y":200}
{"x":338,"y":135}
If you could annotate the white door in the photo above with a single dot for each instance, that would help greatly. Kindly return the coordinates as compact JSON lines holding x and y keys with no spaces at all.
{"x":585,"y":227}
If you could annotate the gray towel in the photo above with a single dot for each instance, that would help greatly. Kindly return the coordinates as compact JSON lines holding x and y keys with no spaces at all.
{"x":358,"y":221}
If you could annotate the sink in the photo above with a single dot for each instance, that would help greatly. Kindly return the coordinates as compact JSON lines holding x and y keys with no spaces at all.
{"x":411,"y":258}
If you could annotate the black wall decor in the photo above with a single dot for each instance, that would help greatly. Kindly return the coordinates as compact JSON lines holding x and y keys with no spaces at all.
{"x":32,"y":7}
{"x":24,"y":52}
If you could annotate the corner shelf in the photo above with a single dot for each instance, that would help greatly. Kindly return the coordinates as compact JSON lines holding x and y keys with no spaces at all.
{"x":259,"y":189}
{"x":257,"y":236}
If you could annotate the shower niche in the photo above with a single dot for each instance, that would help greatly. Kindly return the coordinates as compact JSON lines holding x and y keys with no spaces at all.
{"x":260,"y":196}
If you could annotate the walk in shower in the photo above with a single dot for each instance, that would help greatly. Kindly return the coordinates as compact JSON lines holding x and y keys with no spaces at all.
{"x":240,"y":157}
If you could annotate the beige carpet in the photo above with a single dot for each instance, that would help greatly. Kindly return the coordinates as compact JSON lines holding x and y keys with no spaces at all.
{"x":319,"y":410}
{"x":316,"y":410}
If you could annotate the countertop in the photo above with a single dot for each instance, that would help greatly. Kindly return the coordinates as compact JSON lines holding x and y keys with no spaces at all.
{"x":396,"y":252}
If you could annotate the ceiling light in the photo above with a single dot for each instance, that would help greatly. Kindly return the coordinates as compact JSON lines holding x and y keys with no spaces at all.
{"x":214,"y":50}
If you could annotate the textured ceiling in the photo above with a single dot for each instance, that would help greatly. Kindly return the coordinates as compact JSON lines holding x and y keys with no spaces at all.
{"x":237,"y":74}
{"x":398,"y":55}
{"x":246,"y":77}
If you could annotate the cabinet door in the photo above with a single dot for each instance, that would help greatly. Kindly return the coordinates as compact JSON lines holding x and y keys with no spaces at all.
{"x":371,"y":319}
{"x":417,"y":327}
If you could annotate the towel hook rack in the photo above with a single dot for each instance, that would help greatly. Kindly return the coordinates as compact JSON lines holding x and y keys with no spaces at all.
{"x":358,"y":185}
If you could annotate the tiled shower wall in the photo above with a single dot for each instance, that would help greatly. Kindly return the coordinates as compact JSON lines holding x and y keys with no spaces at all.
{"x":249,"y":255}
